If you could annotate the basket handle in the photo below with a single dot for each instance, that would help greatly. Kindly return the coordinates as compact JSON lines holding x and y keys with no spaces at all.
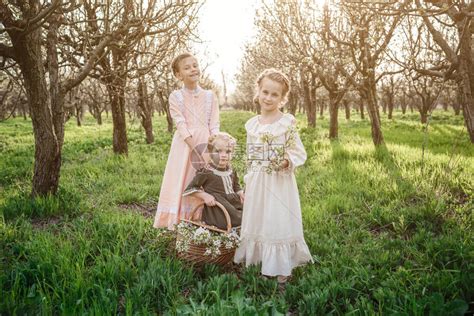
{"x":226,"y":214}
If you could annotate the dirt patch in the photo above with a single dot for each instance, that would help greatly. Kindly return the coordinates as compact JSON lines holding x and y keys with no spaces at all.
{"x":377,"y":230}
{"x":460,"y":197}
{"x":42,"y":223}
{"x":147,"y":210}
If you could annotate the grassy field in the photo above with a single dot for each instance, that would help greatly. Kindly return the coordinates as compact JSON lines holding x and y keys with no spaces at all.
{"x":390,"y":229}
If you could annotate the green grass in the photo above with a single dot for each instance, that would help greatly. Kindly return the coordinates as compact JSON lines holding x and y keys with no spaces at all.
{"x":390,"y":229}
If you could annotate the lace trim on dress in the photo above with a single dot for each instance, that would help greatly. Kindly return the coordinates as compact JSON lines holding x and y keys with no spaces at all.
{"x":283,"y":124}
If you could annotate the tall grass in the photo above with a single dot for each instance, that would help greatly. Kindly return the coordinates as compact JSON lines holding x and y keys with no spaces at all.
{"x":390,"y":228}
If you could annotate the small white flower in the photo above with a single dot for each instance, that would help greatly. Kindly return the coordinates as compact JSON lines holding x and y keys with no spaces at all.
{"x":200,"y":231}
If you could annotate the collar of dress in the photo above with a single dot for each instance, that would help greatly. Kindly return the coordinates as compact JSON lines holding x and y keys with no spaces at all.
{"x":221,"y":173}
{"x":193,"y":92}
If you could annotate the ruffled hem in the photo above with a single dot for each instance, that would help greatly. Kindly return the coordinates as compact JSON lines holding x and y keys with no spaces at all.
{"x":278,"y":258}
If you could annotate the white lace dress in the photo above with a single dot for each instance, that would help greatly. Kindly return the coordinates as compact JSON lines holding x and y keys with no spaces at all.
{"x":272,"y":230}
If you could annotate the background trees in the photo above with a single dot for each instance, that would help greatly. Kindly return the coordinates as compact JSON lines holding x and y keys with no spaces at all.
{"x":61,"y":58}
{"x":57,"y":45}
{"x":365,"y":46}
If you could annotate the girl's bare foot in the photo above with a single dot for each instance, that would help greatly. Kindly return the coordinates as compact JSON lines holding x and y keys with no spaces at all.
{"x":282,"y":279}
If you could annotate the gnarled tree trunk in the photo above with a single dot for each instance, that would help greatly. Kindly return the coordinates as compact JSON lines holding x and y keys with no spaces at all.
{"x":47,"y":146}
{"x":368,"y":94}
{"x":333,"y":116}
{"x":146,"y":111}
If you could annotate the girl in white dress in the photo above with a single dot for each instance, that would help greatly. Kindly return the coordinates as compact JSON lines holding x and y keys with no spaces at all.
{"x":272,"y":230}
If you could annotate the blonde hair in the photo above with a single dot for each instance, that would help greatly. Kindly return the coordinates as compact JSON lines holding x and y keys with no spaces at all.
{"x":231,"y":142}
{"x":178,"y":59}
{"x":277,"y":76}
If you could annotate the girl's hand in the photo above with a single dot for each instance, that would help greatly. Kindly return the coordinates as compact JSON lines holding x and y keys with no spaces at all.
{"x":284,"y":164}
{"x":242,"y":196}
{"x":189,"y":141}
{"x":209,"y":200}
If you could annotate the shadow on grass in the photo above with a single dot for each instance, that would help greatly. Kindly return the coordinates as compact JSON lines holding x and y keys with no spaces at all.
{"x":383,"y":155}
{"x":438,"y":139}
{"x":40,"y":208}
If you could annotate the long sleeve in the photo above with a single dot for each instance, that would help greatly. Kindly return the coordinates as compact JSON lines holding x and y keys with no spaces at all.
{"x":294,"y":152}
{"x":178,"y":116}
{"x":214,"y":123}
{"x":196,"y":184}
{"x":236,"y":184}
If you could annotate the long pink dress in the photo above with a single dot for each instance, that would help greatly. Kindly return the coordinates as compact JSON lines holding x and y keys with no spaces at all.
{"x":196,"y":114}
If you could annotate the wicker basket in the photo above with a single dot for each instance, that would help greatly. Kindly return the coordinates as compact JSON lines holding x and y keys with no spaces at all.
{"x":195,"y":253}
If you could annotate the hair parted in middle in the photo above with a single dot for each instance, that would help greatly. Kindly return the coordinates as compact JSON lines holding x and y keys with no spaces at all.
{"x":277,"y":76}
{"x":231,"y":142}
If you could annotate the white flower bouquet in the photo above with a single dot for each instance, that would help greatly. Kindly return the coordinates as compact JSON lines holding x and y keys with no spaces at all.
{"x":277,"y":152}
{"x":212,"y":244}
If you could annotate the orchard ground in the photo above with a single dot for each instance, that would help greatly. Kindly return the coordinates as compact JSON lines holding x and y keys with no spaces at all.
{"x":390,"y":229}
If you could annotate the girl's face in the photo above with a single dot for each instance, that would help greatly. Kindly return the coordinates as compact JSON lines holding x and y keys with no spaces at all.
{"x":270,"y":95}
{"x":221,"y":153}
{"x":188,"y":71}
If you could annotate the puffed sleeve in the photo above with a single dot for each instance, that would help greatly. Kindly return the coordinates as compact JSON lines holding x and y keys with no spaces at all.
{"x":214,"y":123}
{"x":294,"y":151}
{"x":236,"y":184}
{"x":178,"y":116}
{"x":196,"y":184}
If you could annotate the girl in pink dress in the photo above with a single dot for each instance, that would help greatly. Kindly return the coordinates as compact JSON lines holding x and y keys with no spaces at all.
{"x":195,"y":112}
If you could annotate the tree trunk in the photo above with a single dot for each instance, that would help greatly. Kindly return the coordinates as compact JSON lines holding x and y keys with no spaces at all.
{"x":307,"y":102}
{"x":403,"y":105}
{"x":166,"y":107}
{"x":390,"y":107}
{"x":47,"y":148}
{"x":313,"y":90}
{"x":115,"y":78}
{"x":310,"y":111}
{"x":321,"y":109}
{"x":145,"y":112}
{"x":333,"y":116}
{"x":423,"y":116}
{"x":427,"y":104}
{"x":78,"y":115}
{"x":57,"y":93}
{"x":116,"y":92}
{"x":374,"y":115}
{"x":23,"y":112}
{"x":99,"y":117}
{"x":292,"y":103}
{"x":457,"y":105}
{"x":361,"y":107}
{"x":120,"y":141}
{"x":347,"y":108}
{"x":466,"y":74}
